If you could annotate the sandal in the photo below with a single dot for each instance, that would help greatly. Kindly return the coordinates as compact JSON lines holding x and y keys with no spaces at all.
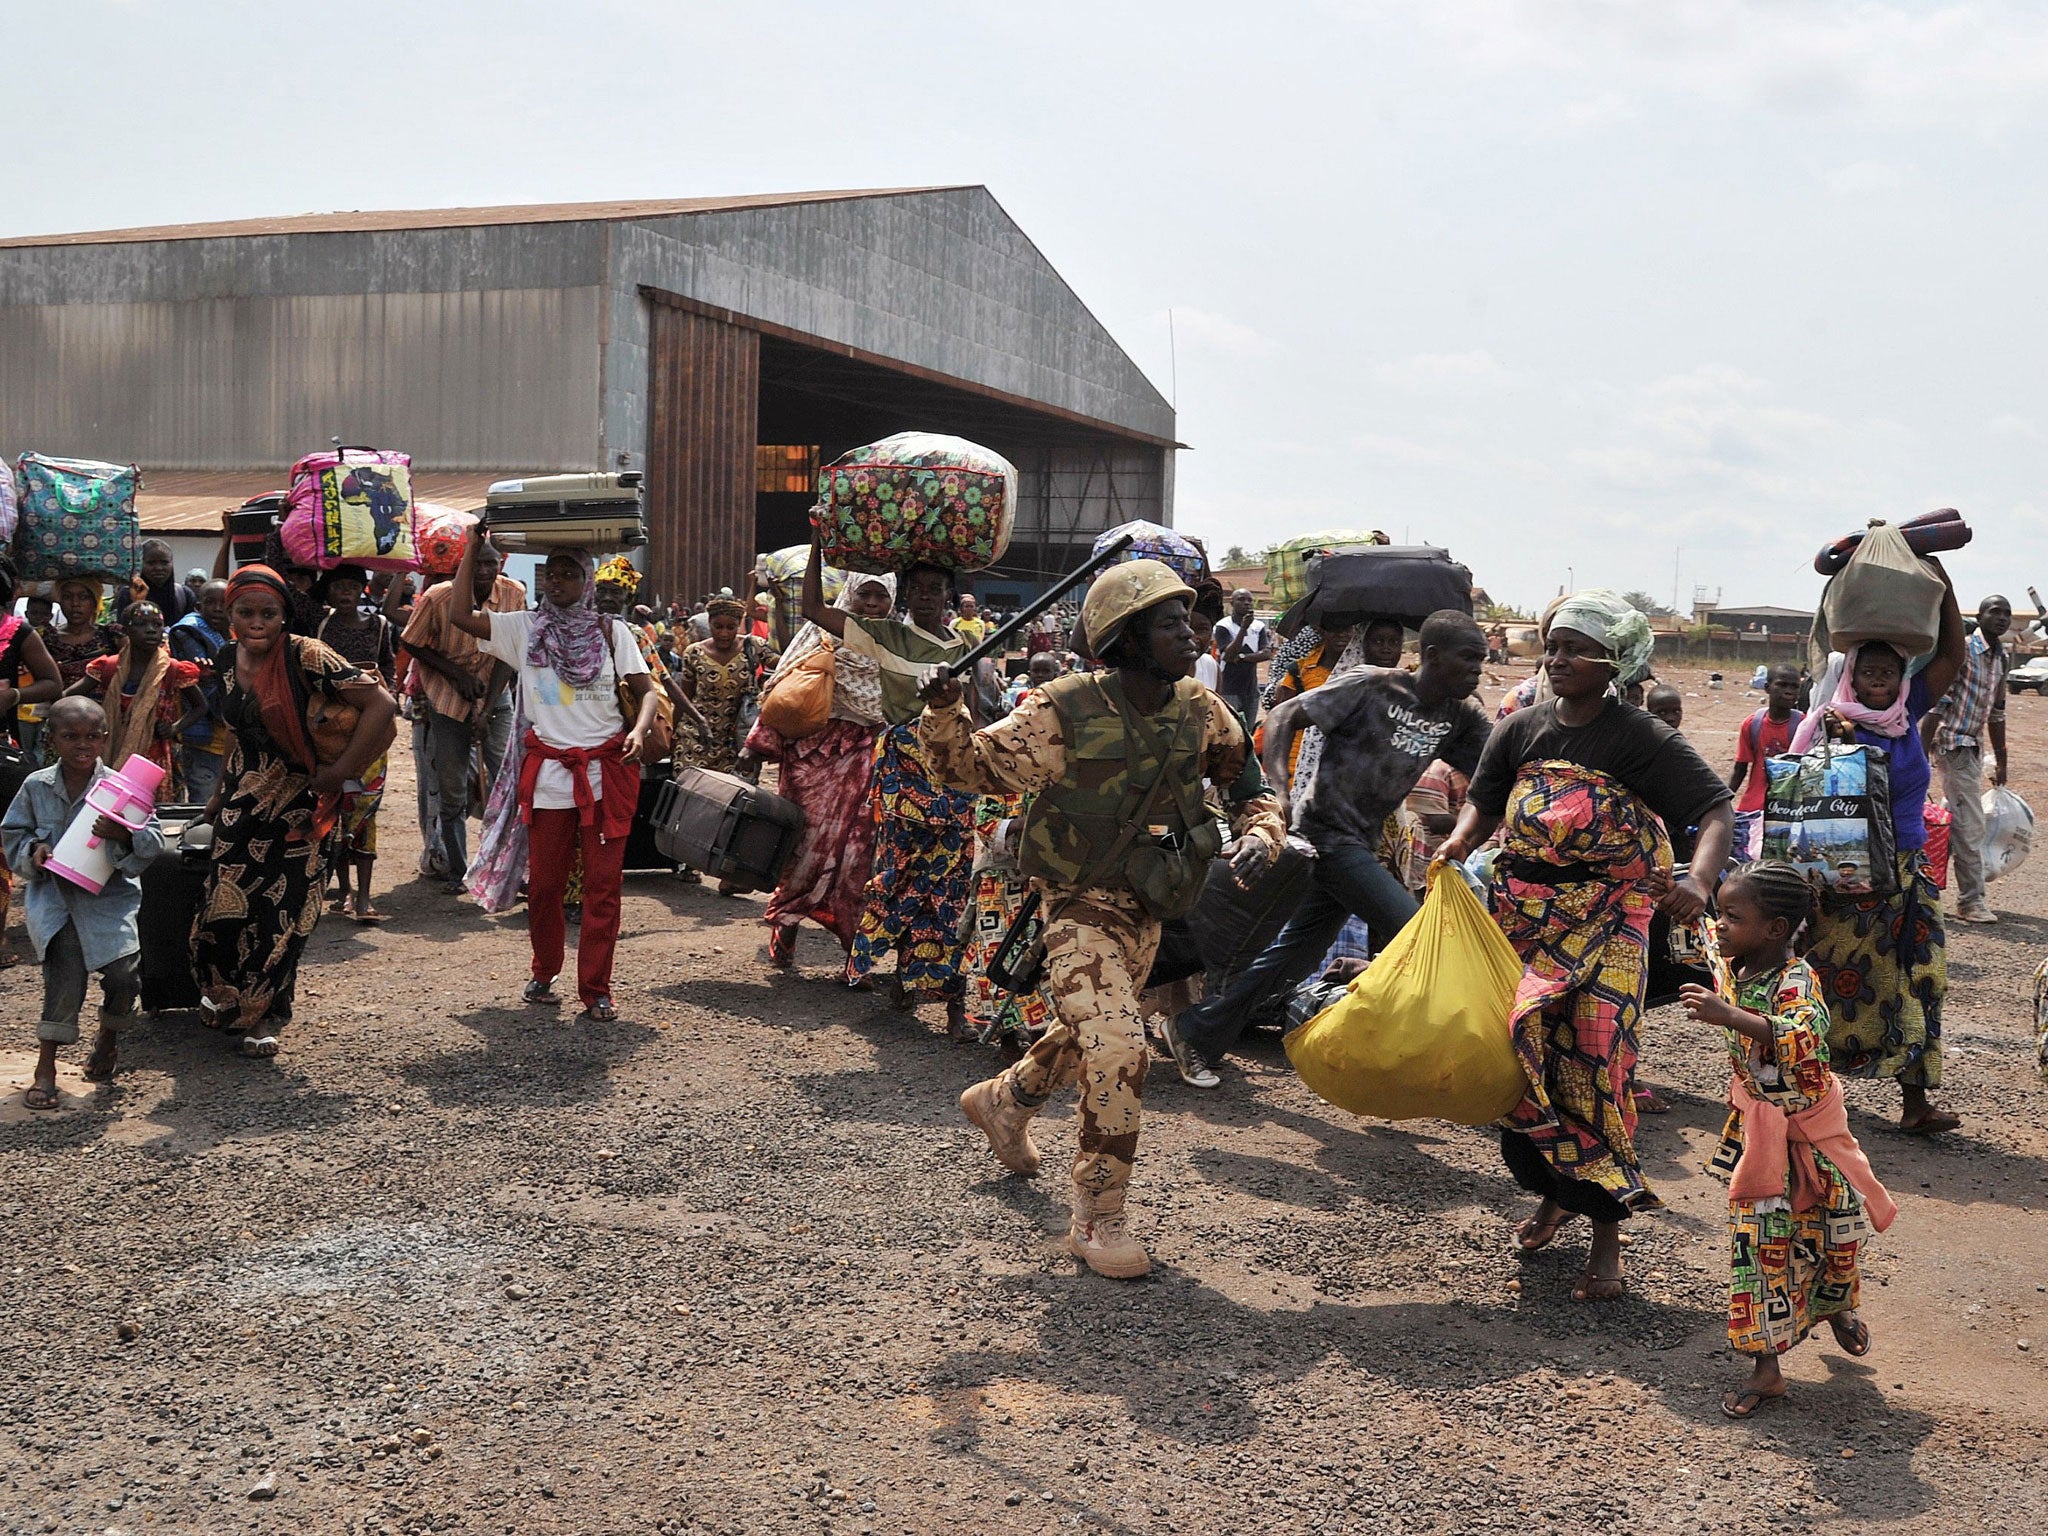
{"x":1744,"y":1404}
{"x":1598,"y":1287}
{"x":782,"y":947}
{"x":39,"y":1097}
{"x":99,"y":1066}
{"x":601,"y":1012}
{"x":540,"y":993}
{"x":1852,"y":1333}
{"x":260,"y":1046}
{"x":1545,"y":1231}
{"x":1933,"y":1123}
{"x":365,"y":913}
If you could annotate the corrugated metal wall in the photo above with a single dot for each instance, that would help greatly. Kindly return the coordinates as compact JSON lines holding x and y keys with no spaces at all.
{"x":489,"y":380}
{"x":704,"y":397}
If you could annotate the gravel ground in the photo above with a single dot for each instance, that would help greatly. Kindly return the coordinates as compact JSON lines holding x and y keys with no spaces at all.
{"x":734,"y":1264}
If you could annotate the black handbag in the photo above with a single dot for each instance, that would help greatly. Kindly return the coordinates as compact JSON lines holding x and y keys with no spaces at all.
{"x":14,"y":768}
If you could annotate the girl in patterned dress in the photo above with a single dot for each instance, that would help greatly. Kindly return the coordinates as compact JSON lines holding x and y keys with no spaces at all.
{"x":1802,"y":1200}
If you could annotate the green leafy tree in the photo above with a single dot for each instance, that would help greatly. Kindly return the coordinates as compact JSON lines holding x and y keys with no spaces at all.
{"x":1642,"y":602}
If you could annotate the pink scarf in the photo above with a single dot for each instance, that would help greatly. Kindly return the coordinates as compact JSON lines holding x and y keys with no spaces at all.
{"x":1888,"y":722}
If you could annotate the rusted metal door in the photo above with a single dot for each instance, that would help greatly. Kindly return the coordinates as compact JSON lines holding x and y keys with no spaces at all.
{"x":703,"y":402}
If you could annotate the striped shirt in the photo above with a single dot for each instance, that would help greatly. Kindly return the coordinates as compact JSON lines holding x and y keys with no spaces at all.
{"x":1976,"y":696}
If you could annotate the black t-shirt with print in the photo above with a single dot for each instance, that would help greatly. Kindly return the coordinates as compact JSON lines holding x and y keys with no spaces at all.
{"x":1378,"y":736}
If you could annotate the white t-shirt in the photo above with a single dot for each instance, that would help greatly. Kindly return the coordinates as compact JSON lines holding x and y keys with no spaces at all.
{"x":560,"y":715}
{"x":1206,"y":672}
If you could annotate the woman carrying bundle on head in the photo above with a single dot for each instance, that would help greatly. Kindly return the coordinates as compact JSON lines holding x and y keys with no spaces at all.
{"x":571,"y":781}
{"x":83,"y":638}
{"x":1883,"y":958}
{"x":277,"y":810}
{"x":151,"y":698}
{"x":1586,"y":784}
{"x":924,"y":832}
{"x":828,"y":774}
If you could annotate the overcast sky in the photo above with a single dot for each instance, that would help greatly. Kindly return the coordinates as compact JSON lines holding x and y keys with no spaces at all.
{"x":1596,"y":290}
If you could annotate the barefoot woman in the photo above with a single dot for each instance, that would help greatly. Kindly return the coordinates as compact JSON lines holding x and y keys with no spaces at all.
{"x":1582,"y":780}
{"x":276,"y":810}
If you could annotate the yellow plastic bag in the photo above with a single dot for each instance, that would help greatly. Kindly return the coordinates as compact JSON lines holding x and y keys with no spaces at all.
{"x":1424,"y":1032}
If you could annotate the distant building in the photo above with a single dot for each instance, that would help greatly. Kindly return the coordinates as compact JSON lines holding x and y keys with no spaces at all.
{"x":723,"y":346}
{"x":1779,"y":621}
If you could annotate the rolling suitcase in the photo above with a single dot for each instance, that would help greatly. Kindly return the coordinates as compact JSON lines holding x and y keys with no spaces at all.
{"x":724,"y":826}
{"x":594,"y":512}
{"x":172,"y":888}
{"x":642,"y":853}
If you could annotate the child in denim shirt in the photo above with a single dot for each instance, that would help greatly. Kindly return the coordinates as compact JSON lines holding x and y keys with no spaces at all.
{"x":74,"y":931}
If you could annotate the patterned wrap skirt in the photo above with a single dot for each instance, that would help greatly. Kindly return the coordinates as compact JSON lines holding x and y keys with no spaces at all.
{"x":828,"y":775}
{"x":1583,"y":935}
{"x":918,"y":886}
{"x":1883,"y":967}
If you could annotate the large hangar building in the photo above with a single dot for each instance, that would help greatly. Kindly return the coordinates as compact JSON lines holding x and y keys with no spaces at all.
{"x":723,"y":346}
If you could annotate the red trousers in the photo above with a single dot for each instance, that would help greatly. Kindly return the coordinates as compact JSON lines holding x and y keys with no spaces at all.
{"x":552,"y":840}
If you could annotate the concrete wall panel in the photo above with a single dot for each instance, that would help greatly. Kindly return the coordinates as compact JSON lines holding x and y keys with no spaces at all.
{"x":472,"y":379}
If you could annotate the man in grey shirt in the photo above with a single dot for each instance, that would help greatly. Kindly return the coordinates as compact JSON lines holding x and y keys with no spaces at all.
{"x":1381,"y":728}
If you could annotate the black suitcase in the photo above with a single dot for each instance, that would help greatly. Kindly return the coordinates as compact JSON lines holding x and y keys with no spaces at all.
{"x":1233,"y":926}
{"x":172,"y":888}
{"x":726,"y":827}
{"x":642,"y":853}
{"x":1408,"y":582}
{"x":250,"y":526}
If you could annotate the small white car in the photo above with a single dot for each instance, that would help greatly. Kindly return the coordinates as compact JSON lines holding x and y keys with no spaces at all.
{"x":2029,"y":677}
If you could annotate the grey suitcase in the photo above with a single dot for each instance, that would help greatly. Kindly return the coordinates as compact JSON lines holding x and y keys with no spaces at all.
{"x":723,"y":825}
{"x":592,"y":511}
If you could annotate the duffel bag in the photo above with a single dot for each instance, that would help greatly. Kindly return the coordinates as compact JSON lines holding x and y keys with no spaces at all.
{"x":351,"y":506}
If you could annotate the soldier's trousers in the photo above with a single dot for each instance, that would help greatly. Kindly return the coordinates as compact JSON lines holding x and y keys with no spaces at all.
{"x":1097,"y":956}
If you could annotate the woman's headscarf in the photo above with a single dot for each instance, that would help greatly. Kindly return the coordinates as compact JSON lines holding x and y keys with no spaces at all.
{"x":1620,"y":630}
{"x":570,"y":642}
{"x":284,"y":713}
{"x":86,"y":584}
{"x":621,"y":573}
{"x":726,"y":606}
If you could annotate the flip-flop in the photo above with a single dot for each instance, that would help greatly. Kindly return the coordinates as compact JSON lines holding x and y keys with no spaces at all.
{"x":40,"y":1098}
{"x":1735,"y":1410}
{"x":601,"y":1012}
{"x":262,"y":1047}
{"x":96,"y":1071}
{"x":1549,"y":1229}
{"x":1592,"y":1287}
{"x":1933,"y":1123}
{"x":541,"y":994}
{"x":1856,"y":1341}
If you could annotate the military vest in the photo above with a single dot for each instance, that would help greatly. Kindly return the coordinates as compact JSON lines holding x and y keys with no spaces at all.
{"x":1113,"y":755}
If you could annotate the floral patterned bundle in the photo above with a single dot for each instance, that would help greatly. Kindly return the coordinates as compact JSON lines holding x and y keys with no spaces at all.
{"x":1149,"y":541}
{"x":917,"y":497}
{"x":77,"y":518}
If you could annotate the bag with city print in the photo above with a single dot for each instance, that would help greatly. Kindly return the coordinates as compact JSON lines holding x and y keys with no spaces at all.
{"x":351,"y":506}
{"x":1829,"y":812}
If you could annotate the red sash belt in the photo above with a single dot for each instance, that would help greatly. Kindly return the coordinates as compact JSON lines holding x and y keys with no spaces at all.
{"x":619,"y":776}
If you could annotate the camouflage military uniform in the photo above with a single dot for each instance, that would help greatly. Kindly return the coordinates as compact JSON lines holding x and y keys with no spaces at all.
{"x":1099,"y":949}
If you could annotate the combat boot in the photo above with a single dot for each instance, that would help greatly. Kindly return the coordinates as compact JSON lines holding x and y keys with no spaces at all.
{"x":993,"y":1107}
{"x":1099,"y":1239}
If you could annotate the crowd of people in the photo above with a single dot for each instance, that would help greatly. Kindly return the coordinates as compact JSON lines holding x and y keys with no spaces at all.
{"x":1018,"y":845}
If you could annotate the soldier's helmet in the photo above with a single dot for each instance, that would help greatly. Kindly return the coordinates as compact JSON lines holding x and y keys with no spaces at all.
{"x":1123,"y":592}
